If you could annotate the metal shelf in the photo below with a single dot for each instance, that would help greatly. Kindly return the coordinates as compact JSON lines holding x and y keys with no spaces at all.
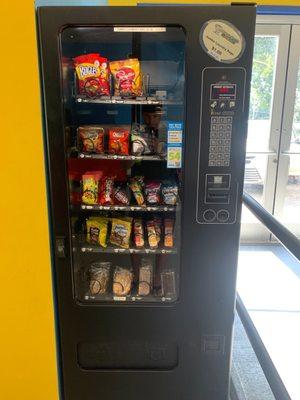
{"x":98,"y":207}
{"x":135,"y":101}
{"x":132,"y":250}
{"x":119,"y":157}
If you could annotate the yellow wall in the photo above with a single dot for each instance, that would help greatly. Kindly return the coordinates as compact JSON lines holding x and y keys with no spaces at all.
{"x":28,"y":369}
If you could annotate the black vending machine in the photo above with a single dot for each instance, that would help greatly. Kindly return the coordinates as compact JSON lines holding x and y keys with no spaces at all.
{"x":145,"y":122}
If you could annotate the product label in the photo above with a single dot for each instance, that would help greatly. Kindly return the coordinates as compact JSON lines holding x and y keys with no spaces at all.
{"x":222,"y":41}
{"x":88,"y":70}
{"x":174,"y":151}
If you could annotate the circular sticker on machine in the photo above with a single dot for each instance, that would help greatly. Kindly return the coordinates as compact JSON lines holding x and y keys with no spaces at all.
{"x":222,"y":41}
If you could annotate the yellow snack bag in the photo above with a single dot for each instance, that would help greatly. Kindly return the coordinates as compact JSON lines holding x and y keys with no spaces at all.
{"x":120,"y":232}
{"x":127,"y":77}
{"x":90,"y":183}
{"x":97,"y":231}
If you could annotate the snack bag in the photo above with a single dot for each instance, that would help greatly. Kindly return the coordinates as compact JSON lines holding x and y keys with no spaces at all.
{"x":157,"y":225}
{"x":121,"y":195}
{"x":142,"y":140}
{"x":145,"y":277}
{"x":118,"y":141}
{"x":90,"y":187}
{"x":99,"y":277}
{"x":138,"y":233}
{"x":96,"y":229}
{"x":162,"y":140}
{"x":120,"y":232}
{"x":127,"y":77}
{"x":152,"y":239}
{"x":168,"y":283}
{"x":169,"y":233}
{"x":92,"y":74}
{"x":122,"y":281}
{"x":169,"y":192}
{"x":91,"y":138}
{"x":152,"y":191}
{"x":106,"y":192}
{"x":136,"y":185}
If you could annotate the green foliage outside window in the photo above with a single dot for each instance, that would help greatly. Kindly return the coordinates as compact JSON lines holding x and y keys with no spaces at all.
{"x":264,"y":62}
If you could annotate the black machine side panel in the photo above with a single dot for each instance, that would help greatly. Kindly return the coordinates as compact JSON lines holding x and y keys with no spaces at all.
{"x":187,"y":344}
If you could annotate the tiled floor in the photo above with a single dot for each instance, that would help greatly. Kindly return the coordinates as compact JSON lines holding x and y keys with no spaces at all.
{"x":269,"y":285}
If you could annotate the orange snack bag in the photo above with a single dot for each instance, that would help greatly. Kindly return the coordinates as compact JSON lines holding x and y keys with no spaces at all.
{"x":169,"y":233}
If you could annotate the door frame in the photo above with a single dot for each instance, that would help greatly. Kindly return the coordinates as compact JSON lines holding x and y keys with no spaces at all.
{"x":255,"y":231}
{"x":287,"y":127}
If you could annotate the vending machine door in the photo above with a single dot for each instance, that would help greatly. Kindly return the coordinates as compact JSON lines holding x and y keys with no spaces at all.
{"x":145,"y":112}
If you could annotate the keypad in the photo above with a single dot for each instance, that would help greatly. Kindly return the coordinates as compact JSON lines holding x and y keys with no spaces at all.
{"x":220,"y":142}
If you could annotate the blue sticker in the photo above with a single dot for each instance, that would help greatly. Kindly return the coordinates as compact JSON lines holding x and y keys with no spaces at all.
{"x":174,"y":151}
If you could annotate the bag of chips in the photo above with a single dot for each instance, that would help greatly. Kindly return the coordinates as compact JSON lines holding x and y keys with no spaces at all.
{"x":152,"y":191}
{"x":136,"y":185}
{"x":138,"y":233}
{"x":118,"y":141}
{"x":169,"y":192}
{"x":122,"y":281}
{"x":90,"y":182}
{"x":106,"y":192}
{"x":91,"y":138}
{"x":168,"y":283}
{"x":120,"y":232}
{"x":121,"y":195}
{"x":92,"y":74}
{"x":145,"y":277}
{"x":158,"y":228}
{"x":127,"y":77}
{"x":162,"y":140}
{"x":99,"y":277}
{"x":96,"y":229}
{"x":142,"y":140}
{"x":168,"y":234}
{"x":152,"y":238}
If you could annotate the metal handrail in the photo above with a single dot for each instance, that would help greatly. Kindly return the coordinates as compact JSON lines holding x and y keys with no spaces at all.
{"x":265,"y":361}
{"x":292,"y":244}
{"x":287,"y":238}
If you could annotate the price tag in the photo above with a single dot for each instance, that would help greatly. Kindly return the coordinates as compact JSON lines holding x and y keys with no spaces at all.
{"x":119,"y":298}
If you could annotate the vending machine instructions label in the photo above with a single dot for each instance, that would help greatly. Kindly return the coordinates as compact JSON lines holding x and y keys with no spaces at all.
{"x":174,"y":153}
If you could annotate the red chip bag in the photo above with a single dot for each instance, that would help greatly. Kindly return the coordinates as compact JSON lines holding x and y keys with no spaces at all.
{"x":93,"y":75}
{"x":106,"y":194}
{"x":118,"y":141}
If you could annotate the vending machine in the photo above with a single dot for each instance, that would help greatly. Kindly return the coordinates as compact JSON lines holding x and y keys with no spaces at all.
{"x":145,"y":122}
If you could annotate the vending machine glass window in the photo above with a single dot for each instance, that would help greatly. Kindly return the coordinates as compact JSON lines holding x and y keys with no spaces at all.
{"x":123,"y":112}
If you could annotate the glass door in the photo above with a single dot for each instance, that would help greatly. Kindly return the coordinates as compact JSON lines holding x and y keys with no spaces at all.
{"x":288,"y":184}
{"x":266,"y":102}
{"x":124,"y":111}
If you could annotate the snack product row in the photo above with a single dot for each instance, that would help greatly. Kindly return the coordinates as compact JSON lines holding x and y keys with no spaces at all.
{"x":125,"y":232}
{"x":104,"y":279}
{"x":95,"y":73}
{"x":136,"y":140}
{"x":100,"y":189}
